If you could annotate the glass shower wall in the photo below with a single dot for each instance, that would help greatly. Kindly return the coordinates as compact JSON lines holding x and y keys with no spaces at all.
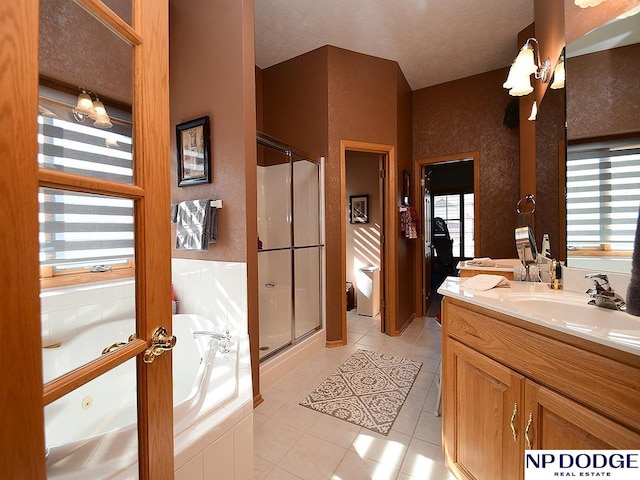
{"x":290,"y":249}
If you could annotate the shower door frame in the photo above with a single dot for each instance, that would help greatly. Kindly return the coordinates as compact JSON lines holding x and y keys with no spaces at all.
{"x":275,"y":144}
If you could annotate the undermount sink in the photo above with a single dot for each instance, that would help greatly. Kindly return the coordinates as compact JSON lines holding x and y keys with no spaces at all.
{"x":572,"y":311}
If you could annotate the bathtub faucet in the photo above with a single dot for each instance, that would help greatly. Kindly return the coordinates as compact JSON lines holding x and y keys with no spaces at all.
{"x":224,"y":339}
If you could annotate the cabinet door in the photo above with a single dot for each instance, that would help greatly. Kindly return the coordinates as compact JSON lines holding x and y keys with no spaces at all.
{"x":558,"y":423}
{"x":482,"y":400}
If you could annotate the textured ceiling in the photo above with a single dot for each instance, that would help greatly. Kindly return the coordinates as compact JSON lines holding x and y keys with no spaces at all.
{"x":433,"y":41}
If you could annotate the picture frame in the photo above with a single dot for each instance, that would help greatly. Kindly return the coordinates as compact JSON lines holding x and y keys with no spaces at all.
{"x":406,"y":188}
{"x":193,"y":143}
{"x":359,"y":209}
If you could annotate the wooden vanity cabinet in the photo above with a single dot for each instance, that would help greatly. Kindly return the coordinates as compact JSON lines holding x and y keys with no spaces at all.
{"x":508,"y":387}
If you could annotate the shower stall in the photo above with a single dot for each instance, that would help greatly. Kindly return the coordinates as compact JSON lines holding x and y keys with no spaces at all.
{"x":290,"y":245}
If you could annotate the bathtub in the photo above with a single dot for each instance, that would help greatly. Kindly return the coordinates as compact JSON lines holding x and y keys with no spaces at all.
{"x":93,"y":429}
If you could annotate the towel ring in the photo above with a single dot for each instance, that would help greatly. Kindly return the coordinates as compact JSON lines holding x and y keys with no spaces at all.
{"x":527,"y":198}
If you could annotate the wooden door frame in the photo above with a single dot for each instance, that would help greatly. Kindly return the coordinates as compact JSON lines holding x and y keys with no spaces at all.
{"x":475,"y":156}
{"x":21,"y":357}
{"x":389,"y":269}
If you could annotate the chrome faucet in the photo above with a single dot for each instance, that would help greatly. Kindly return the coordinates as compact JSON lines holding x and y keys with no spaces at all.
{"x":603,"y":295}
{"x":224,"y":339}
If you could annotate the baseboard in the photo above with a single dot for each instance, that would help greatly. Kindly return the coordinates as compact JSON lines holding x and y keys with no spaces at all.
{"x":257,"y":400}
{"x":281,"y":365}
{"x":335,"y":343}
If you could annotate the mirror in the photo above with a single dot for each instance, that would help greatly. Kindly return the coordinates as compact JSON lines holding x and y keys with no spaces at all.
{"x":603,"y":145}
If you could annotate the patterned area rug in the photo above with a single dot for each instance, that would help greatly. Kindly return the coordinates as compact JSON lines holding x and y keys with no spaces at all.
{"x":368,"y":389}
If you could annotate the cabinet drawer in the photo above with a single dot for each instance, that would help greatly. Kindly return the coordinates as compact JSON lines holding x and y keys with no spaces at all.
{"x":607,"y":386}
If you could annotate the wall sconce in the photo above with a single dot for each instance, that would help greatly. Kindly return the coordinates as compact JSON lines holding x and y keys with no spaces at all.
{"x":518,"y":82}
{"x":558,"y":75}
{"x":588,"y":3}
{"x":93,"y":109}
{"x":534,"y":111}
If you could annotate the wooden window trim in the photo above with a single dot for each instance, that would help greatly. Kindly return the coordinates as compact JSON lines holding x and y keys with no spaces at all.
{"x":51,"y":279}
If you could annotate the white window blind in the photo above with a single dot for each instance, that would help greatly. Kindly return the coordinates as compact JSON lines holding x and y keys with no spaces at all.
{"x":458,"y":213}
{"x":603,"y":194}
{"x":80,"y":230}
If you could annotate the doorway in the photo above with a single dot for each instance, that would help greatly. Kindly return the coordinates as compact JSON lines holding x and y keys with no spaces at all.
{"x":364,"y":194}
{"x":449,"y":188}
{"x":385,"y":156}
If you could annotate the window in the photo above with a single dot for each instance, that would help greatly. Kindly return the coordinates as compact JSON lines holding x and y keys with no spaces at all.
{"x":603,"y":195}
{"x":457,"y":210}
{"x":82,"y":232}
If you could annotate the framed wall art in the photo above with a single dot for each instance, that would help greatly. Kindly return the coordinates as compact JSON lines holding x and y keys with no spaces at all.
{"x":194,"y":152}
{"x":359,"y":209}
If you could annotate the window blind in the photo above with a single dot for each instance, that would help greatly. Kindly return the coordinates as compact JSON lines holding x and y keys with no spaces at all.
{"x":603,"y":194}
{"x":79,"y":230}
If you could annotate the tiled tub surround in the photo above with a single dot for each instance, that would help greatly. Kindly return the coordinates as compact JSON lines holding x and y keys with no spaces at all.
{"x":223,"y":441}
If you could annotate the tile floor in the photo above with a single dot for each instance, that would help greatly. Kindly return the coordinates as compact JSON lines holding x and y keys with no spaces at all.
{"x":293,"y":442}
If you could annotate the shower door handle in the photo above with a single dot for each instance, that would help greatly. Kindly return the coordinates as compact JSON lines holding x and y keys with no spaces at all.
{"x":161,"y":342}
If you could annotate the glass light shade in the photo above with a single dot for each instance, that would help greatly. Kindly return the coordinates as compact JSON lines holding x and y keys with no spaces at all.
{"x":101,"y":118}
{"x":534,"y":111}
{"x":587,"y":3}
{"x":85,"y":105}
{"x":521,"y":85}
{"x":511,"y":78}
{"x":558,"y":76}
{"x":524,"y":61}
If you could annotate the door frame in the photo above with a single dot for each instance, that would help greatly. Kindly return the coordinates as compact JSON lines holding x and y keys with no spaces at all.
{"x":21,"y":360}
{"x":418,"y":164}
{"x":388,"y":260}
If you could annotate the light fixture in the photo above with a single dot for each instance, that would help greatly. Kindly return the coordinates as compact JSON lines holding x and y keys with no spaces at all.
{"x":518,"y":82}
{"x":93,"y":109}
{"x":588,"y":3}
{"x":558,"y":75}
{"x":534,"y":111}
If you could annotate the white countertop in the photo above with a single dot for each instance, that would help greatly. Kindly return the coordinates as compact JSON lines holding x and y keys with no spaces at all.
{"x":498,"y":265}
{"x":560,"y":310}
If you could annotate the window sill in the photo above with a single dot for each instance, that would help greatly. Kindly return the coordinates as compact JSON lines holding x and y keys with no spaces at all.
{"x":84,"y":278}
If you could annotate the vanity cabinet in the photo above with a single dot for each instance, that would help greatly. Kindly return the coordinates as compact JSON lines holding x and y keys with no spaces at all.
{"x":509,"y":385}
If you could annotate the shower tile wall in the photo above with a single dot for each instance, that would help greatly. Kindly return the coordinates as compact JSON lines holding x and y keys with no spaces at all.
{"x":215,"y":290}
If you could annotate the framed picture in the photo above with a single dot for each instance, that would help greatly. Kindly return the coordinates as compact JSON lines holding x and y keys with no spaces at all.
{"x":406,"y":188}
{"x":194,"y":152}
{"x":359,"y":209}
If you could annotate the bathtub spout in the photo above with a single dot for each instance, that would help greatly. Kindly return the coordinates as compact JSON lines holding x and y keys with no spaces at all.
{"x":224,"y":339}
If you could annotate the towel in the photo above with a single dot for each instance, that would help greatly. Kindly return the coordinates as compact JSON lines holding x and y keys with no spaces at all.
{"x":485,"y":282}
{"x":633,"y":290}
{"x":481,"y":262}
{"x":408,"y":222}
{"x":197,"y":225}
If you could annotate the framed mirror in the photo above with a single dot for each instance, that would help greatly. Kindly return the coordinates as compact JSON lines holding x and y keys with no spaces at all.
{"x":603,"y":146}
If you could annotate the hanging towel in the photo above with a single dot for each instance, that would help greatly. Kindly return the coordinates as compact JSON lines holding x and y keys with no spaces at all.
{"x":633,"y":290}
{"x":408,"y":222}
{"x":197,"y":225}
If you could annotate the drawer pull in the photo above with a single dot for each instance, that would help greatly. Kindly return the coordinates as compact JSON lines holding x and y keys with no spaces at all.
{"x":513,"y":427}
{"x":526,"y":432}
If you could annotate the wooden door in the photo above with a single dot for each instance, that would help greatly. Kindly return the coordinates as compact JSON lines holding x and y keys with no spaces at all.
{"x":559,"y":423}
{"x":23,"y":394}
{"x":427,"y":239}
{"x":482,"y":399}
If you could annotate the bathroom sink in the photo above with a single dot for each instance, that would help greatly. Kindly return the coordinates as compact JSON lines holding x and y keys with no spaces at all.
{"x":572,"y":311}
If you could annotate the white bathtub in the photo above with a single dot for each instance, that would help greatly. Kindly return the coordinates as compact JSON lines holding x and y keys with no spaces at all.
{"x":92,"y":430}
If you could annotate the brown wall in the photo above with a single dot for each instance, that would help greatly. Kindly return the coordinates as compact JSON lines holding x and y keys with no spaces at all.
{"x":320,"y":98}
{"x":579,"y":21}
{"x":217,"y":89}
{"x":603,"y":95}
{"x":463,"y":116}
{"x":212,"y":72}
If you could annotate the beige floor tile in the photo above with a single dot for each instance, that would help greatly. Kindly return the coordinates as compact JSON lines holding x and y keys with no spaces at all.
{"x":354,"y":467}
{"x":424,"y":461}
{"x":406,"y":420}
{"x":416,"y":397}
{"x":296,"y":416}
{"x":261,"y":468}
{"x":334,"y":430}
{"x":272,"y":440}
{"x":274,"y":398}
{"x":258,"y":419}
{"x":429,"y":428}
{"x":313,"y":458}
{"x":389,"y":450}
{"x":280,"y":474}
